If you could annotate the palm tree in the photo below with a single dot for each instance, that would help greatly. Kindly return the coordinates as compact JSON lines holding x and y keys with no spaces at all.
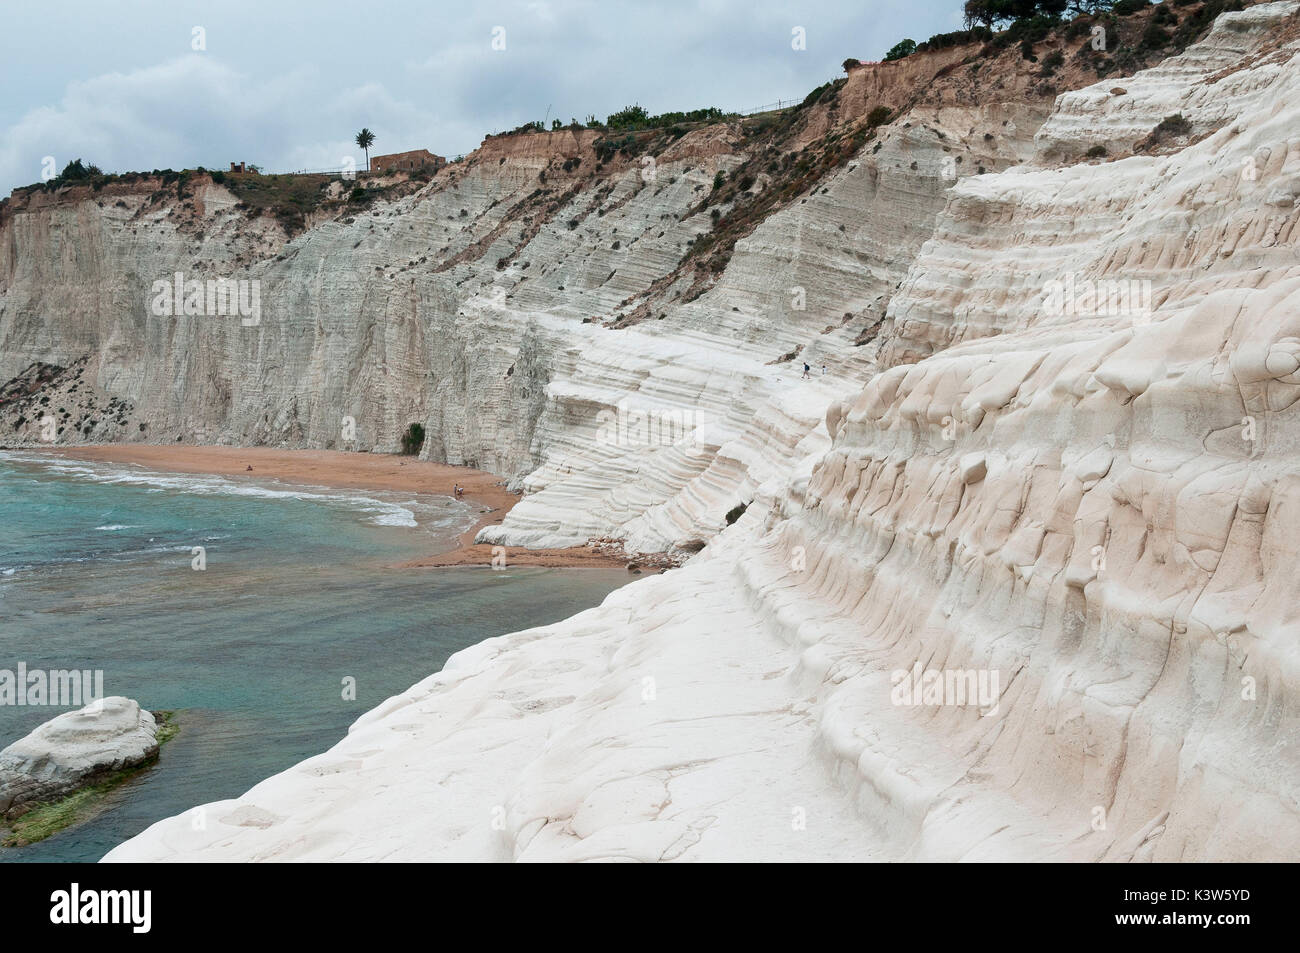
{"x":365,"y":139}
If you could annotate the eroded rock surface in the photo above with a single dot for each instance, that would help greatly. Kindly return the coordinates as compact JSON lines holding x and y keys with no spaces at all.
{"x":75,"y":749}
{"x":1086,"y":503}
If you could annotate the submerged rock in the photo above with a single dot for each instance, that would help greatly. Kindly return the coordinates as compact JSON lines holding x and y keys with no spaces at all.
{"x":73,"y":750}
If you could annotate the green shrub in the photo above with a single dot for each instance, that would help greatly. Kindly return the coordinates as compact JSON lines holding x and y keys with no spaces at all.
{"x":878,"y":116}
{"x":736,"y":512}
{"x":1097,"y":152}
{"x":1080,"y":27}
{"x":630,"y":117}
{"x":815,"y":95}
{"x":1029,"y":29}
{"x":534,"y":126}
{"x":941,"y":41}
{"x":1175,"y":125}
{"x":75,"y":171}
{"x":1155,"y":36}
{"x":1193,"y":26}
{"x":606,"y":148}
{"x":413,"y":439}
{"x":901,"y":49}
{"x":637,"y":117}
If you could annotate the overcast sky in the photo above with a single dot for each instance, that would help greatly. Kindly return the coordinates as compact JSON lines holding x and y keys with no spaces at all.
{"x":286,"y":85}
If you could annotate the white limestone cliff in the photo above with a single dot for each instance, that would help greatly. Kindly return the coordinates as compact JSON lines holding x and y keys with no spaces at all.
{"x":1090,"y":507}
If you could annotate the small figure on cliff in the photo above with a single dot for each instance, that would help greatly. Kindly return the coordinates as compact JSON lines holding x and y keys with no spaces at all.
{"x":249,"y":467}
{"x":806,"y":369}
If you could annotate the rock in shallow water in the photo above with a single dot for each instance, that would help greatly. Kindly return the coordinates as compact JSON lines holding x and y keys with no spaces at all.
{"x":74,"y":749}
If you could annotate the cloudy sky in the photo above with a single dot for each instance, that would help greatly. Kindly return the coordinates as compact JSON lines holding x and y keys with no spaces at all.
{"x":150,"y":84}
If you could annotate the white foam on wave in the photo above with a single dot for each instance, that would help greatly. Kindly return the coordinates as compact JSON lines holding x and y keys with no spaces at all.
{"x":167,"y":548}
{"x":400,"y":517}
{"x":380,"y":512}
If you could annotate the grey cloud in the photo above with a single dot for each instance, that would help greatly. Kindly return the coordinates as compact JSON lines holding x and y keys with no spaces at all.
{"x":291,"y":94}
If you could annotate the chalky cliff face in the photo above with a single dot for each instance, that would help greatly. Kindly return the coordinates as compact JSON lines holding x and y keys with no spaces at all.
{"x":1014,"y":579}
{"x":547,"y":309}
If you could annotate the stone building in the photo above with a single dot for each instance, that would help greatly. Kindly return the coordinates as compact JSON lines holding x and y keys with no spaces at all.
{"x":407,"y":161}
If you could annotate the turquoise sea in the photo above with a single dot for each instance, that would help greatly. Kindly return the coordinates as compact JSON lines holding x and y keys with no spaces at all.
{"x":298,"y":593}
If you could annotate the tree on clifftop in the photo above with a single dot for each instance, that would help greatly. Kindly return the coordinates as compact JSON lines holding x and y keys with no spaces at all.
{"x":901,"y":49}
{"x":365,"y":139}
{"x":991,"y":12}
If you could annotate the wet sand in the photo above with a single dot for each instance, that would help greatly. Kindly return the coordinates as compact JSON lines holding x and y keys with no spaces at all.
{"x":357,"y":471}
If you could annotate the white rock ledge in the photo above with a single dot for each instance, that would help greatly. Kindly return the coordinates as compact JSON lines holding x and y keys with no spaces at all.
{"x":75,"y":749}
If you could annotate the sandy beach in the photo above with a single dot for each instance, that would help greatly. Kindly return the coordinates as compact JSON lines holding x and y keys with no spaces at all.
{"x":357,"y":471}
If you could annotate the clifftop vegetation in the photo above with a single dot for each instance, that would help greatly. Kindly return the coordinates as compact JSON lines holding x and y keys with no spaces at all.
{"x":630,"y":118}
{"x":289,"y":198}
{"x":1061,"y":37}
{"x":1029,"y":22}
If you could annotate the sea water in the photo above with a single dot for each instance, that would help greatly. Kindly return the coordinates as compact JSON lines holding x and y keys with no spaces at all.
{"x":297,"y":599}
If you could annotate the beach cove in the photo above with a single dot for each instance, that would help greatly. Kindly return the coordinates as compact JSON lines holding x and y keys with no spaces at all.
{"x":300,"y":621}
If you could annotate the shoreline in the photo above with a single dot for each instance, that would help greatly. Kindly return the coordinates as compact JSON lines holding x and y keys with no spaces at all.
{"x":342,"y":470}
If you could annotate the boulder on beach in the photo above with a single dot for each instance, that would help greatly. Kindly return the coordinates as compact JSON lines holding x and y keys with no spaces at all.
{"x":73,"y":750}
